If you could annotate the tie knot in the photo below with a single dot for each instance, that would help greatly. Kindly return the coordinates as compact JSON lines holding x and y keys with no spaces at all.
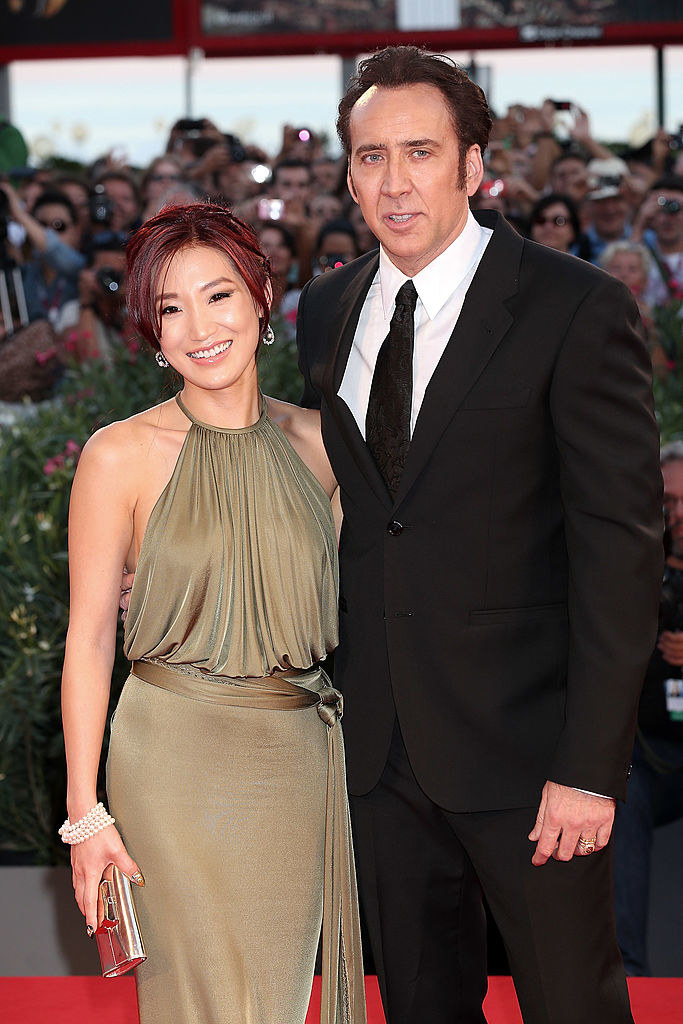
{"x":406,"y":296}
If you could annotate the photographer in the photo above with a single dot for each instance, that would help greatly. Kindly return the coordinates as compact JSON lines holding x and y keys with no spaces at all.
{"x":607,"y":206}
{"x":655,"y":789}
{"x":120,"y":188}
{"x":659,"y":224}
{"x":50,"y":279}
{"x":92,"y":325}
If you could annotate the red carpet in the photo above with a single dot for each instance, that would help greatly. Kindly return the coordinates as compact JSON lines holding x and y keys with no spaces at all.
{"x":65,"y":1000}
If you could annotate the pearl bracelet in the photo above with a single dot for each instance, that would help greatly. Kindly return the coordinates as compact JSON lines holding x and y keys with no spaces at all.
{"x":94,"y":821}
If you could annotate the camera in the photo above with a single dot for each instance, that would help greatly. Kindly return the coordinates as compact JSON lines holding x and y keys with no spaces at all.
{"x":190,"y":127}
{"x":668,"y":205}
{"x":671,"y":605}
{"x":333,"y":260}
{"x":201,"y":145}
{"x":109,"y":280}
{"x":101,"y":207}
{"x":238,"y":154}
{"x":493,"y":188}
{"x":676,"y":140}
{"x":270,"y":209}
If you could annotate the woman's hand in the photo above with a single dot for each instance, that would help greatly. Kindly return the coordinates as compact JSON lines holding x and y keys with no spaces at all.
{"x":88,"y":861}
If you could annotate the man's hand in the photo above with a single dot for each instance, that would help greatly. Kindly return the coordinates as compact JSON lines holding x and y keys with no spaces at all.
{"x":671,"y":646}
{"x":564,"y":816}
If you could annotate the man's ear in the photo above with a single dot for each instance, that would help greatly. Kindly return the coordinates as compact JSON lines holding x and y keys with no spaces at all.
{"x":474,"y":169}
{"x":349,"y":182}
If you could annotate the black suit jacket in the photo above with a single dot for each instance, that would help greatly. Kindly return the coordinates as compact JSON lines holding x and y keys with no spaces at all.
{"x":509,"y":612}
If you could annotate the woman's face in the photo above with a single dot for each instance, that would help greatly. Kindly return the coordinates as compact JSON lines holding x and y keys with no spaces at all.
{"x":628,"y":267}
{"x":276,"y":249}
{"x":553,"y":227}
{"x":209,"y":325}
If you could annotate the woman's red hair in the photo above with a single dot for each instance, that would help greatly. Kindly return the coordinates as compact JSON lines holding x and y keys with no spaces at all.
{"x":154,"y":245}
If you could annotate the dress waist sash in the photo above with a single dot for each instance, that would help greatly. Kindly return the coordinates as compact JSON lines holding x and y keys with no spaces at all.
{"x":343,"y":994}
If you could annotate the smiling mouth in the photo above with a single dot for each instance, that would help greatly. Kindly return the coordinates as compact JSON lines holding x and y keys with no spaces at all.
{"x":210,"y":353}
{"x":400,"y":218}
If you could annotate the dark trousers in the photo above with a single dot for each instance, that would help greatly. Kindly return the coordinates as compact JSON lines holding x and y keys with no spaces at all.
{"x":421,"y":871}
{"x":655,"y":797}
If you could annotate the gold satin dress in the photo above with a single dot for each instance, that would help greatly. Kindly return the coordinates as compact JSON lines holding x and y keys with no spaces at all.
{"x":225,"y":768}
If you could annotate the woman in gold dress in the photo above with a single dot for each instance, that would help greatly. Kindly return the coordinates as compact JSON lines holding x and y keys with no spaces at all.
{"x":225,"y":771}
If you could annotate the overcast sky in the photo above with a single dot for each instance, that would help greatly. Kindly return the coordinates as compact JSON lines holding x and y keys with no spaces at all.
{"x":84,"y":108}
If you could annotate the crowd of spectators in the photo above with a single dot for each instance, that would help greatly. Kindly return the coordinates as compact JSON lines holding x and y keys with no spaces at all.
{"x":544,"y":171}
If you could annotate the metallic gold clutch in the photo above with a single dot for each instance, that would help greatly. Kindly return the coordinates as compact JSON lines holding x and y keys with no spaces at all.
{"x":119,"y":941}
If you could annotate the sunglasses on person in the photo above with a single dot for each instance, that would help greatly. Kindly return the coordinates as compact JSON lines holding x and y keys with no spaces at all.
{"x":57,"y":224}
{"x":558,"y":221}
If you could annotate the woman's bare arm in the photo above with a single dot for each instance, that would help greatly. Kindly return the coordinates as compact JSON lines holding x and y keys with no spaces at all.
{"x":100,"y":536}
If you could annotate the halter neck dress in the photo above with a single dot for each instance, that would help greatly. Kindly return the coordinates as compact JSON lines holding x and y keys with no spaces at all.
{"x":225,"y":768}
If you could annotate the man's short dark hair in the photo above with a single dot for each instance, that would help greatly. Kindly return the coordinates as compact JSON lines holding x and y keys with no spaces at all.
{"x":399,"y":66}
{"x":290,"y":162}
{"x":338,"y":226}
{"x":670,"y":182}
{"x":569,"y":155}
{"x":123,"y":176}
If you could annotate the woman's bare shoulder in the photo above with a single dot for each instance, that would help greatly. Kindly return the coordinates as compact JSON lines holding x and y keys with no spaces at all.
{"x":124,"y":440}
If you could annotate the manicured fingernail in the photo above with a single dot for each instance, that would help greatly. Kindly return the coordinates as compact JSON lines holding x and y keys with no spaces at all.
{"x":137,"y":878}
{"x":90,"y":931}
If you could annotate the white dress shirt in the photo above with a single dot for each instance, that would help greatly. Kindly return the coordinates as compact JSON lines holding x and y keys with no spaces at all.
{"x":441,"y":288}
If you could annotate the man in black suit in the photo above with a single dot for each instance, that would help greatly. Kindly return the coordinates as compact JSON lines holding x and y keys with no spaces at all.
{"x":498,"y":465}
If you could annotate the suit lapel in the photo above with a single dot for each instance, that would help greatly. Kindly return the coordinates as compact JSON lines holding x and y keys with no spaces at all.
{"x":482,"y":323}
{"x":344,"y":327}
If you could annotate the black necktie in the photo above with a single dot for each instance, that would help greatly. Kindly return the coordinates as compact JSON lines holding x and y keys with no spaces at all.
{"x":387,"y":424}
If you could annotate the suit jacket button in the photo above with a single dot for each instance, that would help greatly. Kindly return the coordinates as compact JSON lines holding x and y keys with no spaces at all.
{"x":395,"y":529}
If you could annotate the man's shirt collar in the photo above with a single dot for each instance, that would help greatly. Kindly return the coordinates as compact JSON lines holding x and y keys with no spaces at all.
{"x":439,"y":279}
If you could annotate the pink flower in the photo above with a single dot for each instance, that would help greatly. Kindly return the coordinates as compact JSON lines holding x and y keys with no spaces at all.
{"x":53,"y":464}
{"x":43,"y":358}
{"x":71,"y":448}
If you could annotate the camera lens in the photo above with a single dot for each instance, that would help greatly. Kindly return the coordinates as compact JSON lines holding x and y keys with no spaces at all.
{"x":668,"y":205}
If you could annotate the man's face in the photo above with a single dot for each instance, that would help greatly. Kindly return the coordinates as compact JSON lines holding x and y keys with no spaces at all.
{"x":291,"y":183}
{"x":667,"y":223}
{"x":326,"y":175}
{"x":404,"y":172}
{"x":569,"y":177}
{"x":672,"y":474}
{"x":609,"y":216}
{"x":125,"y":204}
